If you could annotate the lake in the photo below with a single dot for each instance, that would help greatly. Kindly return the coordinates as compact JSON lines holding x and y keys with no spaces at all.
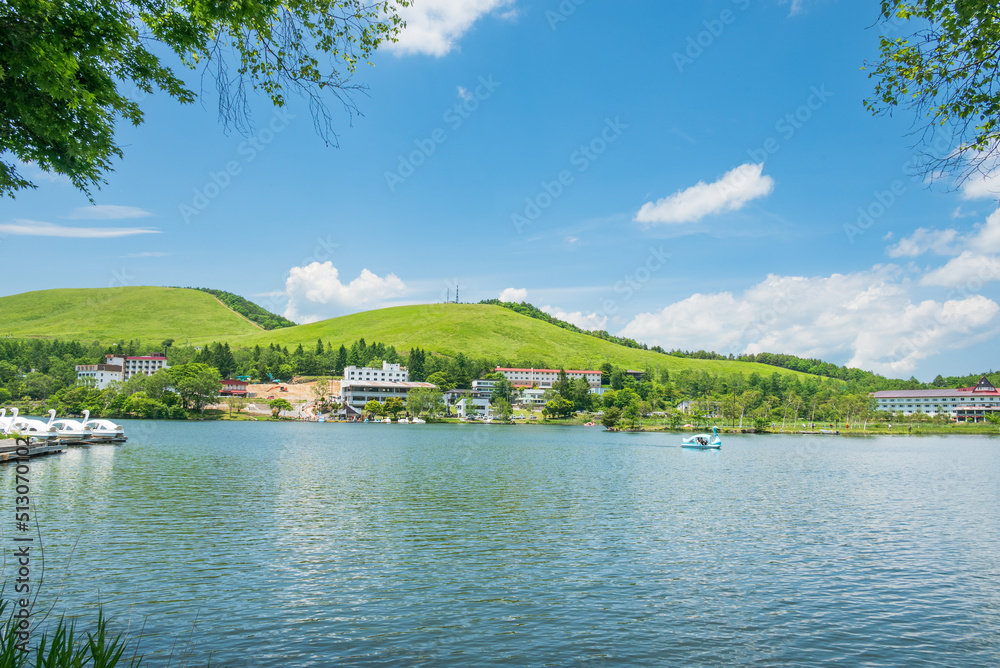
{"x":306,"y":544}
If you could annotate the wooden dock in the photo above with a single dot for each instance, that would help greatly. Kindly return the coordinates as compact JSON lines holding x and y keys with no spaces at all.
{"x":9,"y":453}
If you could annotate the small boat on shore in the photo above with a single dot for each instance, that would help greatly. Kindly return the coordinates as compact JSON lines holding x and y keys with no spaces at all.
{"x":104,"y":431}
{"x":703,"y":441}
{"x":71,"y":430}
{"x":30,"y":428}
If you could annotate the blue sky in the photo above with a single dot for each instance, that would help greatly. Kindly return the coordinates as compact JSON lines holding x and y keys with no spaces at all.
{"x":694,"y":175}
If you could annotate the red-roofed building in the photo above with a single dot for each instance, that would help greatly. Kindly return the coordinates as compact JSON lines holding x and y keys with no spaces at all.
{"x":966,"y":404}
{"x":545,"y":378}
{"x":233,"y":388}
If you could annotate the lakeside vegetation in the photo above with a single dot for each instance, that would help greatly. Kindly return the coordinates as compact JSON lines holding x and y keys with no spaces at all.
{"x":467,"y":342}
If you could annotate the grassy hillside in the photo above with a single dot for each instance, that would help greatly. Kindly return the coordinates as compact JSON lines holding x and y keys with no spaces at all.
{"x":485,"y":330}
{"x":152,"y":314}
{"x":148,"y":314}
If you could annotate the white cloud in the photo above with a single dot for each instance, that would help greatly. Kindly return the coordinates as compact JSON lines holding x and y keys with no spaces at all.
{"x":590,"y":321}
{"x":515,"y":295}
{"x":986,"y":238}
{"x":315,"y":292}
{"x":730,"y":193}
{"x":982,"y":186}
{"x":108,"y":212}
{"x":976,"y":263}
{"x":967,"y":270}
{"x":34,"y":228}
{"x":433,"y":26}
{"x":924,"y":240}
{"x":868,"y":317}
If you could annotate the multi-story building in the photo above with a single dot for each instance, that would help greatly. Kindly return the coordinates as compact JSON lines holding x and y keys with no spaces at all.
{"x":101,"y":375}
{"x":357,"y":393}
{"x":119,"y":368}
{"x":970,"y":404}
{"x":392,"y":373}
{"x":148,"y":364}
{"x":545,"y":378}
{"x":533,"y":398}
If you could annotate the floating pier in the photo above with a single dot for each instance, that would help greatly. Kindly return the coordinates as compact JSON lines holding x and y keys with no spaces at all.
{"x":13,"y":449}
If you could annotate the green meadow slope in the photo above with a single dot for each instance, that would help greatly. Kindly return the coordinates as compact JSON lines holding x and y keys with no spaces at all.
{"x":148,"y":314}
{"x":152,"y":314}
{"x":485,"y":330}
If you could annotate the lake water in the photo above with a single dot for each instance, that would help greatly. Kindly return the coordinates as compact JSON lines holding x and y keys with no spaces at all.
{"x":295,"y":544}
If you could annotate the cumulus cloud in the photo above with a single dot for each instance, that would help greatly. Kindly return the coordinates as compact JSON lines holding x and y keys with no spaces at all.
{"x":108,"y":212}
{"x":967,"y":270}
{"x":515,"y":295}
{"x":976,"y":262}
{"x":34,"y":228}
{"x":315,"y":292}
{"x":982,"y":186}
{"x":731,"y":192}
{"x":434,"y":26}
{"x":924,"y":240}
{"x":590,"y":321}
{"x":868,"y":318}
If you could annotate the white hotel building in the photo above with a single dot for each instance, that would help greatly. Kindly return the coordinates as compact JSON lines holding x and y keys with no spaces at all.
{"x":392,"y":373}
{"x":966,"y":404}
{"x":360,"y":386}
{"x":119,"y":368}
{"x":357,"y":393}
{"x":545,"y":378}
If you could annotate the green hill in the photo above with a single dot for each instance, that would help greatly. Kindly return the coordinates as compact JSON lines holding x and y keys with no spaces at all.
{"x":149,"y":314}
{"x":485,"y":330}
{"x":153,"y":314}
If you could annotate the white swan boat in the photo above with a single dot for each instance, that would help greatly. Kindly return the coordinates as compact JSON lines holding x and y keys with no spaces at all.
{"x":703,"y":441}
{"x":417,"y":420}
{"x":31,"y":428}
{"x":6,"y":421}
{"x":104,"y":431}
{"x":71,"y":430}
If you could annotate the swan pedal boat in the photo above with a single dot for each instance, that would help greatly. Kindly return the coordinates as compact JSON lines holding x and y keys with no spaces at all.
{"x":703,"y":441}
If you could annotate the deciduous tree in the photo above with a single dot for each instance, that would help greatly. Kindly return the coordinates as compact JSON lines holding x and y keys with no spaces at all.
{"x":72,"y":70}
{"x":946,"y":73}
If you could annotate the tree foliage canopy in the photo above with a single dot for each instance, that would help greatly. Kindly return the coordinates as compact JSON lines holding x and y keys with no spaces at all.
{"x":946,"y":72}
{"x":69,"y":70}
